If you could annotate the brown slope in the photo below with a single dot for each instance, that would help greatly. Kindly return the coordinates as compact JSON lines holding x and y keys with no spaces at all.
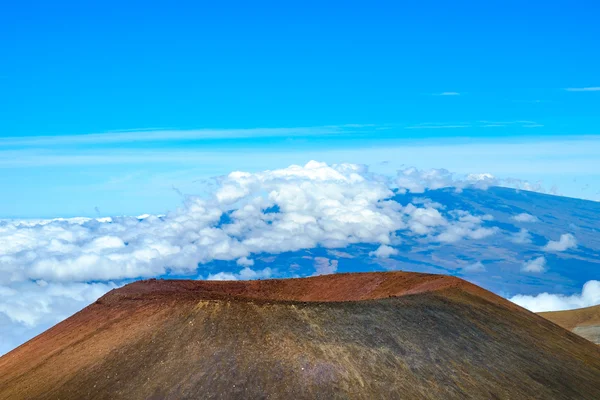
{"x":376,"y":335}
{"x":583,"y":321}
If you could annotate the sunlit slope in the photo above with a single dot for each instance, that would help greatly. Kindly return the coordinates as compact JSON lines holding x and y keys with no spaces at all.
{"x":370,"y":336}
{"x":582,"y":321}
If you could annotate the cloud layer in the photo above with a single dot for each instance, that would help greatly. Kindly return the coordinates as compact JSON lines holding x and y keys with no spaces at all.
{"x":267,"y":212}
{"x":589,"y":296}
{"x":51,"y":268}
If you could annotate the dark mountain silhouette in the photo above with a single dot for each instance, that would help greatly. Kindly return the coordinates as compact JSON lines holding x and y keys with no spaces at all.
{"x":362,"y":336}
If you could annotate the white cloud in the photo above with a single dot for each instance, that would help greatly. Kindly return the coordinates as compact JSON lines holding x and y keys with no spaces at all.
{"x":589,"y":296}
{"x":536,"y":265}
{"x":249,"y":274}
{"x":474,"y":124}
{"x":422,"y":221}
{"x":584,"y":89}
{"x":340,"y":254}
{"x":245,"y":274}
{"x":245,"y":262}
{"x":457,"y":232}
{"x":449,"y":94}
{"x":476,"y":267}
{"x":430,"y":222}
{"x":27,"y":308}
{"x":566,"y":242}
{"x":465,"y":226}
{"x":384,"y":251}
{"x":522,"y":237}
{"x":222,"y":276}
{"x":439,"y":126}
{"x":318,"y":205}
{"x":325,"y":266}
{"x":415,"y":180}
{"x":428,"y":203}
{"x":524,"y":217}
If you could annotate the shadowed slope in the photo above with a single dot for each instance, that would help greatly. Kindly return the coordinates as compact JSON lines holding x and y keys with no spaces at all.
{"x":375,"y":335}
{"x":583,"y":321}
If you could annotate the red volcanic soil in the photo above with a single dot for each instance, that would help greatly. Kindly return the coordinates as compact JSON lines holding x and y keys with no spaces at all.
{"x":325,"y":288}
{"x":370,"y":335}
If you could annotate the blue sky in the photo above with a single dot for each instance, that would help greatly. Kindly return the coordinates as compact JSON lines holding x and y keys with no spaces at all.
{"x":112,"y":109}
{"x":82,"y":67}
{"x":464,"y":72}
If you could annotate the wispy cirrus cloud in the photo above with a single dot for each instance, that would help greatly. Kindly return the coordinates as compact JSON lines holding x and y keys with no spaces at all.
{"x":439,"y":126}
{"x":476,"y":124}
{"x":160,"y":135}
{"x":447,"y":94}
{"x":567,"y":156}
{"x":584,"y":89}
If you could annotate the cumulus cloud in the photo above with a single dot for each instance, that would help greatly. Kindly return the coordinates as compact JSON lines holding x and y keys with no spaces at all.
{"x":245,"y":261}
{"x":475,"y":267}
{"x":222,"y":276}
{"x":417,"y":181}
{"x":466,"y":226}
{"x":589,"y":296}
{"x":325,"y":266}
{"x":317,"y":205}
{"x":414,"y":180}
{"x":28,"y":308}
{"x":245,"y":274}
{"x":521,"y":237}
{"x":422,"y":221}
{"x":535,"y":265}
{"x":384,"y":251}
{"x":458,"y":224}
{"x":566,"y":242}
{"x":427,"y":203}
{"x":524,"y":217}
{"x":248,"y":274}
{"x":31,"y":302}
{"x":312,"y":205}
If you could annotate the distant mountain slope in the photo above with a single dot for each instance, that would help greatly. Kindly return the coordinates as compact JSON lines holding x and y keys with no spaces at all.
{"x":504,"y":253}
{"x":367,"y":336}
{"x":582,"y":321}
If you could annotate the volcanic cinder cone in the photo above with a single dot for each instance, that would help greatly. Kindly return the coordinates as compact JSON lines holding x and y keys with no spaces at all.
{"x":360,"y":336}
